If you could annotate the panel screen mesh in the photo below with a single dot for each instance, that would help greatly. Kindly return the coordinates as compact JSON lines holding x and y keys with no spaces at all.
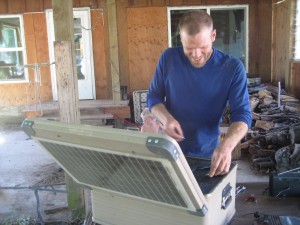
{"x":134,"y":176}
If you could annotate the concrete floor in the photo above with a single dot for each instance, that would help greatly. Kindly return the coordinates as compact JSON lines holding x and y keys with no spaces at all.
{"x":24,"y":164}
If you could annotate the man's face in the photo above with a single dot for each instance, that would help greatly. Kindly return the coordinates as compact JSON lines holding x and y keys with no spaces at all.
{"x":198,"y":47}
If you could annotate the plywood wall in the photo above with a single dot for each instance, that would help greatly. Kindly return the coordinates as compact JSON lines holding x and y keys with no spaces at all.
{"x":21,"y":6}
{"x":262,"y":42}
{"x":18,"y":94}
{"x":140,"y":17}
{"x":283,"y":67}
{"x":295,"y":79}
{"x":147,"y":38}
{"x":142,"y":36}
{"x":101,"y":54}
{"x":37,"y":52}
{"x":280,"y":40}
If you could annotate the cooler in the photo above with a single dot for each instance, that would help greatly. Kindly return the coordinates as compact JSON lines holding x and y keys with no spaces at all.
{"x":137,"y":178}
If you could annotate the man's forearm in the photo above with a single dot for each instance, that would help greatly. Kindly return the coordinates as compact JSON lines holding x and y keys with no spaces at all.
{"x":161,"y":113}
{"x":235,"y":133}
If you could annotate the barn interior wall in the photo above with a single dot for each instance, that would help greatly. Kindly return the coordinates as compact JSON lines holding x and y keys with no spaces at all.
{"x":35,"y":29}
{"x":280,"y":40}
{"x":141,"y":41}
{"x":32,"y":92}
{"x":141,"y":67}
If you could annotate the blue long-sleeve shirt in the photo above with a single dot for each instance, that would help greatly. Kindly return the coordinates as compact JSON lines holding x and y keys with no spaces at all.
{"x":197,"y":97}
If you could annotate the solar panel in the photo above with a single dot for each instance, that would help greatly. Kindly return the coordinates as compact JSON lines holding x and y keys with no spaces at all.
{"x":136,"y":177}
{"x":127,"y":162}
{"x":129,"y":175}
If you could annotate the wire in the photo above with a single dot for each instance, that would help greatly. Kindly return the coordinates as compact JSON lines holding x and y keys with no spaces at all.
{"x":36,"y":189}
{"x":276,"y":3}
{"x":282,"y":191}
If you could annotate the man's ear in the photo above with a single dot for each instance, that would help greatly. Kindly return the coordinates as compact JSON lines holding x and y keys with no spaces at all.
{"x":213,"y":35}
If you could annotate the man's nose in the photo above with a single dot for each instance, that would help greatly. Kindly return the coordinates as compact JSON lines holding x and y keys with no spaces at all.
{"x":197,"y":53}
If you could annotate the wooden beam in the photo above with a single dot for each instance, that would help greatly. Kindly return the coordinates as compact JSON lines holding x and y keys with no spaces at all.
{"x":289,"y":48}
{"x":67,"y":87}
{"x":66,"y":82}
{"x":113,"y":46}
{"x":122,"y":6}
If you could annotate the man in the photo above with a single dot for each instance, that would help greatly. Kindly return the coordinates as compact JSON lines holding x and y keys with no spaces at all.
{"x":190,"y":89}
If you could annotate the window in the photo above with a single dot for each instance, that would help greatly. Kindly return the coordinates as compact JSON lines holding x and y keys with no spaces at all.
{"x":230,"y":22}
{"x":83,"y":52}
{"x":12,"y":49}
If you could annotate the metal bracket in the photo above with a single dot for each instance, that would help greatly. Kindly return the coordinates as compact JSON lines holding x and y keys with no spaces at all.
{"x":162,"y":147}
{"x":27,"y":127}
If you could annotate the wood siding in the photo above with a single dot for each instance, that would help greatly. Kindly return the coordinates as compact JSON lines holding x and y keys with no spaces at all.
{"x":142,"y":36}
{"x":280,"y":41}
{"x":295,"y":79}
{"x":147,"y":38}
{"x":37,"y":51}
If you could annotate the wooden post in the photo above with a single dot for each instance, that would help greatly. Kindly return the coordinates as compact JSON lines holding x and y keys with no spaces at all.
{"x":113,"y":46}
{"x":289,"y":47}
{"x":67,"y":87}
{"x":66,"y":82}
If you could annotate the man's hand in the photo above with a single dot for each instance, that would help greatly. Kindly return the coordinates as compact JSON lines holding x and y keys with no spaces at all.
{"x":220,"y":162}
{"x":221,"y":158}
{"x":170,"y":125}
{"x":173,"y":129}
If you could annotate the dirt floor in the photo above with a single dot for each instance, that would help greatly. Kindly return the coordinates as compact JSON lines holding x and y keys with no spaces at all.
{"x":31,"y":183}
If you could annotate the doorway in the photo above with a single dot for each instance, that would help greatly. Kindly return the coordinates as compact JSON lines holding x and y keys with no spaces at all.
{"x":83,"y":53}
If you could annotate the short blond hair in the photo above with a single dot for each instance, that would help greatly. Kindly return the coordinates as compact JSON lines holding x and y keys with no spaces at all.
{"x":194,"y":20}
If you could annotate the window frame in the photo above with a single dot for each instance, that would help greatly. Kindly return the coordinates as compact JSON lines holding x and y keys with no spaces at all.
{"x":208,"y":9}
{"x":23,"y":49}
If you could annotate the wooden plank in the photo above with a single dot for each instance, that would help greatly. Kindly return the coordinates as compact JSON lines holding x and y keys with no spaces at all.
{"x":281,"y":39}
{"x":253,"y":40}
{"x":3,"y":6}
{"x":102,"y":3}
{"x":273,"y":49}
{"x":156,"y":3}
{"x":264,"y":31}
{"x":76,"y":3}
{"x":47,"y":4}
{"x":30,"y":38}
{"x":42,"y":54}
{"x":192,"y":2}
{"x":138,"y":3}
{"x":16,"y":6}
{"x":67,"y":87}
{"x":147,"y":38}
{"x":85,"y":3}
{"x":31,"y":56}
{"x":107,"y":53}
{"x":69,"y":111}
{"x":99,"y":54}
{"x":295,"y":79}
{"x":176,"y":2}
{"x":33,"y":6}
{"x":289,"y":46}
{"x":40,"y":30}
{"x":118,"y":112}
{"x":68,"y":95}
{"x":123,"y":44}
{"x":114,"y":56}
